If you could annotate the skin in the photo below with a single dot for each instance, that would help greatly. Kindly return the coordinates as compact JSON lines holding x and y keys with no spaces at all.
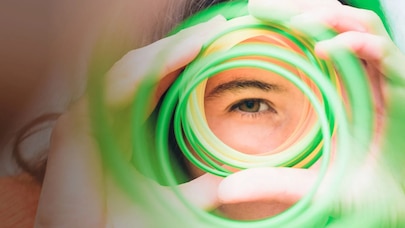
{"x":45,"y":52}
{"x":254,"y":112}
{"x":75,"y":145}
{"x":19,"y":200}
{"x":60,"y":204}
{"x":250,"y":119}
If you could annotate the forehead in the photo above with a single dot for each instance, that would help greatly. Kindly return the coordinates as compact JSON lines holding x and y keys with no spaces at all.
{"x":251,"y":74}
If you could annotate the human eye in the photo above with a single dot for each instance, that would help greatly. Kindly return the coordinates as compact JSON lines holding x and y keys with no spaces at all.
{"x":252,"y":106}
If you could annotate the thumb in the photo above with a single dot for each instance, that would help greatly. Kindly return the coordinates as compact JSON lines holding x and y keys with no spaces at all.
{"x":286,"y":185}
{"x":202,"y":191}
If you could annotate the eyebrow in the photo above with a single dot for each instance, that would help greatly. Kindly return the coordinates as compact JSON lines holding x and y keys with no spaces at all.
{"x":239,"y":84}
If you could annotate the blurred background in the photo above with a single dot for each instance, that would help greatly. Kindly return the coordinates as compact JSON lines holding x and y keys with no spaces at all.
{"x":45,"y":48}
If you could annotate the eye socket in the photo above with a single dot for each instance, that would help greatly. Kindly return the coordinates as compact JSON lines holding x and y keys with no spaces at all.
{"x":252,"y":106}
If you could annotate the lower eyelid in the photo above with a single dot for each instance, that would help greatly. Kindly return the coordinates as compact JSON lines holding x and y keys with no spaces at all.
{"x":259,"y":114}
{"x":235,"y":107}
{"x":252,"y":114}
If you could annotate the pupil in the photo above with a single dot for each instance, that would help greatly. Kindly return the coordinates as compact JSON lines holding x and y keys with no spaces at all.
{"x":250,"y":106}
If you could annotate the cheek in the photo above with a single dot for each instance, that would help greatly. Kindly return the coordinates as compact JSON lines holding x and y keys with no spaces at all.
{"x":252,"y":138}
{"x":262,"y":134}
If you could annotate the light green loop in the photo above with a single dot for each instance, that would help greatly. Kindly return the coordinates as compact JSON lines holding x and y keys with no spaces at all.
{"x":353,"y":122}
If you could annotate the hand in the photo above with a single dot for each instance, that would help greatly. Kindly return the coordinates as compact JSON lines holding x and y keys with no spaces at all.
{"x":169,"y":56}
{"x":362,"y":32}
{"x":77,"y":190}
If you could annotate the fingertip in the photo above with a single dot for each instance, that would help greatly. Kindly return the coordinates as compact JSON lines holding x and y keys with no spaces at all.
{"x":236,"y":188}
{"x":226,"y":191}
{"x":321,"y":50}
{"x":202,"y":191}
{"x":243,"y":186}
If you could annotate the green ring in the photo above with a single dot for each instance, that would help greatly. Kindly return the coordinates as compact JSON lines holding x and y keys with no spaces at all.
{"x":150,"y":198}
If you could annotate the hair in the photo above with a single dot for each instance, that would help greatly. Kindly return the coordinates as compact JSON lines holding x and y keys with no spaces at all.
{"x":176,"y":12}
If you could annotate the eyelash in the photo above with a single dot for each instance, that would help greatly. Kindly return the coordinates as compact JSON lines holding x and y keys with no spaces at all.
{"x":235,"y":107}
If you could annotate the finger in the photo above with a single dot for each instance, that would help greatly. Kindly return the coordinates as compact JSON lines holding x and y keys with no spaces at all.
{"x":270,"y":10}
{"x":152,"y":198}
{"x":125,"y":212}
{"x":374,"y":49}
{"x":284,"y":185}
{"x":364,"y":45}
{"x":202,"y":191}
{"x":72,"y":193}
{"x":160,"y":58}
{"x":341,"y":19}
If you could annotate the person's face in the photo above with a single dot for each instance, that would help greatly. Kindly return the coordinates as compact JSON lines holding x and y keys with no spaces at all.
{"x":252,"y":110}
{"x":256,"y":111}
